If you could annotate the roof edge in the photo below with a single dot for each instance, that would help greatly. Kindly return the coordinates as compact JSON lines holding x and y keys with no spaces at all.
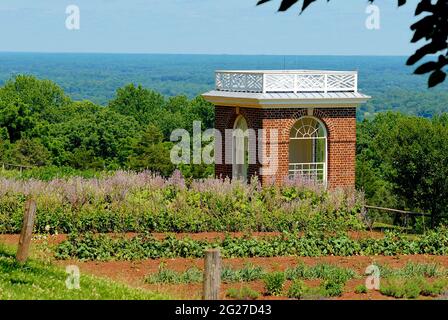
{"x":255,"y":101}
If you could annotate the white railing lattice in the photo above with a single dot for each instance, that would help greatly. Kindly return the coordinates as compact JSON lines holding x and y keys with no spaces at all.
{"x":287,"y":81}
{"x":239,"y":82}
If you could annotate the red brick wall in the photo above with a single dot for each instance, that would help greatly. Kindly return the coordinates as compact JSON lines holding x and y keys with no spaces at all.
{"x":341,"y":129}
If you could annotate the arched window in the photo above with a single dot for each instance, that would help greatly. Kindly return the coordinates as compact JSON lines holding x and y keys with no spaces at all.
{"x":240,"y":157}
{"x":308,"y":150}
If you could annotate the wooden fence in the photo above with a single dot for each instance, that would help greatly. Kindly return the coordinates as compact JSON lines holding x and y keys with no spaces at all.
{"x":403,"y":213}
{"x":14,"y":166}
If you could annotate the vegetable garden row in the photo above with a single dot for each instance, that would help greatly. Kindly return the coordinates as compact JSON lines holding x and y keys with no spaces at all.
{"x":105,"y":247}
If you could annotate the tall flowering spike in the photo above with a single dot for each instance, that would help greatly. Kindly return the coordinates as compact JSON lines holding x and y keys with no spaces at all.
{"x":177,"y":179}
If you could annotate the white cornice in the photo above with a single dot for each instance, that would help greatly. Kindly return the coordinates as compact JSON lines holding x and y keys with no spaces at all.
{"x":283,"y":103}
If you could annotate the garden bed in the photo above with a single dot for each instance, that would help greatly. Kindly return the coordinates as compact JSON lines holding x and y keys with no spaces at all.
{"x":134,"y":273}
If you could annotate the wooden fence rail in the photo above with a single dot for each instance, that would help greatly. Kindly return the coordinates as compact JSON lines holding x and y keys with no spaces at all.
{"x":11,"y":165}
{"x":407,"y":215}
{"x":411,"y":213}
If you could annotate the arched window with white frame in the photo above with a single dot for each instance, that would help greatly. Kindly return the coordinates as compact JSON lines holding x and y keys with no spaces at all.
{"x":308,"y":150}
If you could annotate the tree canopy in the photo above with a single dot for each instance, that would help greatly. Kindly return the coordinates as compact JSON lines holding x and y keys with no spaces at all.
{"x":402,"y":161}
{"x":40,"y":125}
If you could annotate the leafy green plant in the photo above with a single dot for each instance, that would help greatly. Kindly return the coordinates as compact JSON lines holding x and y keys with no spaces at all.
{"x":435,"y":288}
{"x":167,"y":276}
{"x":274,"y":282}
{"x":412,"y":269}
{"x":91,"y":246}
{"x":242,"y":293}
{"x":321,"y":271}
{"x":193,"y":275}
{"x":409,"y":288}
{"x":332,"y":288}
{"x":248,"y":273}
{"x":360,"y":289}
{"x":297,"y":289}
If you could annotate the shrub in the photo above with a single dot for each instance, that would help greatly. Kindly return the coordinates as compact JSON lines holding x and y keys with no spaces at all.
{"x":315,"y":293}
{"x":243,"y":293}
{"x":392,"y":288}
{"x":435,"y":288}
{"x":409,"y":288}
{"x":412,"y":289}
{"x":164,"y":276}
{"x":361,"y":289}
{"x":297,"y":289}
{"x":274,"y":282}
{"x":332,"y":288}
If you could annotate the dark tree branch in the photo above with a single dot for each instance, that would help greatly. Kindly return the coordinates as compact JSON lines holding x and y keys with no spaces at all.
{"x":433,"y":27}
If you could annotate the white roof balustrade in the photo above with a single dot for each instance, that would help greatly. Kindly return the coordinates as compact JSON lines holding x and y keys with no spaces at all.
{"x":285,"y":87}
{"x":266,"y":81}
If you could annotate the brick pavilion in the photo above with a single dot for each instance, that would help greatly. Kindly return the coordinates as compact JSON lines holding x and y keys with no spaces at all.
{"x":314,"y":113}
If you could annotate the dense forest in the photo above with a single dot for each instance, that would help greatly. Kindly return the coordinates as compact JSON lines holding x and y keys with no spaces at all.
{"x":96,"y":77}
{"x":402,"y":160}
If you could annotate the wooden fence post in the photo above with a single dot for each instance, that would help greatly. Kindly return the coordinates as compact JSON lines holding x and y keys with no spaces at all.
{"x":212,"y":274}
{"x":27,"y":230}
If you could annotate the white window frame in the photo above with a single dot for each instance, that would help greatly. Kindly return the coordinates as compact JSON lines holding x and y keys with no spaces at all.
{"x":309,"y":136}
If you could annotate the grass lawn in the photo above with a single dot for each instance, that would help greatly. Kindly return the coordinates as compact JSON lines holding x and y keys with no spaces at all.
{"x":39,"y":280}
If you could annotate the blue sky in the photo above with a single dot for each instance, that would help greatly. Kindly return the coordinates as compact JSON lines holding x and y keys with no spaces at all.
{"x":205,"y":26}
